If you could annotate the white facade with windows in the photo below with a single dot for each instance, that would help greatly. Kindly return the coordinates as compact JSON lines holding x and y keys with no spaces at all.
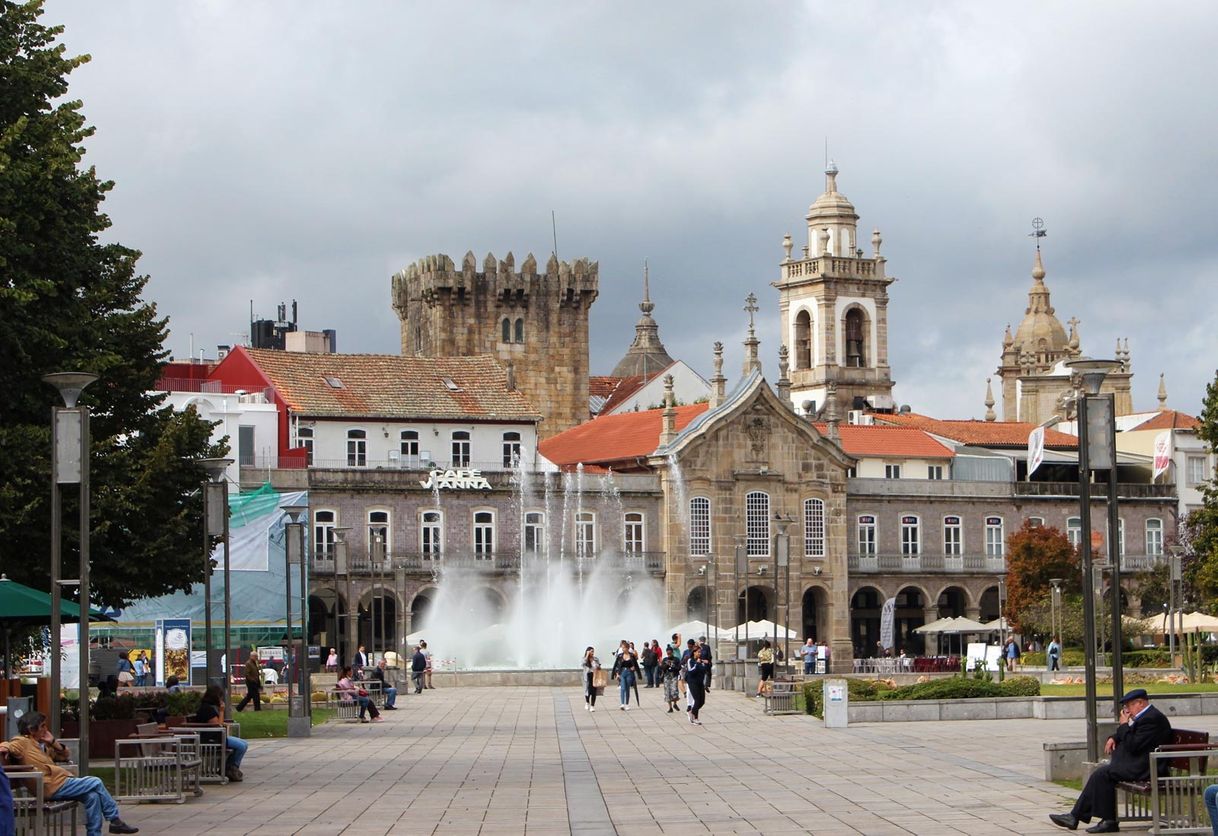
{"x":416,"y":445}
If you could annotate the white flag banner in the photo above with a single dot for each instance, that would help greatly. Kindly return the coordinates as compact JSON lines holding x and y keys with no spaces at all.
{"x":1162,"y":452}
{"x":1036,"y":449}
{"x":887,"y":615}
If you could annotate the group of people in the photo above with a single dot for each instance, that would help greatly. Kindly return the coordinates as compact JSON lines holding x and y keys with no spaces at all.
{"x":134,"y":672}
{"x":679,"y":670}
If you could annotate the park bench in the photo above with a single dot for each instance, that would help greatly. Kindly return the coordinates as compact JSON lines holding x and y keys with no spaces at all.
{"x":33,"y":813}
{"x":780,"y":697}
{"x":343,"y":704}
{"x":155,"y":765}
{"x":212,"y":749}
{"x":1172,"y":802}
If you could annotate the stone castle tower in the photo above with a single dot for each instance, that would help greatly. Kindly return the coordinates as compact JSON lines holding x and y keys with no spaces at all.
{"x":536,"y":323}
{"x":1032,"y":370}
{"x":833,"y":309}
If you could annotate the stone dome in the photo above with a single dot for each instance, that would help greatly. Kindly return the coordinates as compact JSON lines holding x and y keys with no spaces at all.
{"x":1040,"y":332}
{"x":832,"y":204}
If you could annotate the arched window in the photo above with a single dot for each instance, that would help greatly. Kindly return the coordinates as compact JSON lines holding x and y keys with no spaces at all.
{"x":1154,"y":537}
{"x":357,"y":448}
{"x":378,"y":526}
{"x":460,"y":448}
{"x":757,"y":523}
{"x":1074,"y":531}
{"x":699,"y":526}
{"x":520,"y":330}
{"x":511,"y":449}
{"x":484,"y":535}
{"x":803,"y":340}
{"x":814,"y":527}
{"x":856,"y":339}
{"x":953,"y":536}
{"x":995,"y":542}
{"x":323,"y":533}
{"x":911,"y":535}
{"x":410,"y":448}
{"x":632,"y":533}
{"x":431,"y":534}
{"x":867,"y":535}
{"x":506,"y":330}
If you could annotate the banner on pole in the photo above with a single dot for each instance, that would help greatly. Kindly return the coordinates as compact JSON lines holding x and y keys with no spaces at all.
{"x":1162,"y":453}
{"x":1036,"y":450}
{"x":887,"y":616}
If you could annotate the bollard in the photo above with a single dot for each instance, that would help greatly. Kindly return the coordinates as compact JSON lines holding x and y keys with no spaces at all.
{"x":836,"y":702}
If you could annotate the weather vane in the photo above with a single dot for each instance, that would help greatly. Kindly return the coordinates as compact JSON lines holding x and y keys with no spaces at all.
{"x":1038,"y":230}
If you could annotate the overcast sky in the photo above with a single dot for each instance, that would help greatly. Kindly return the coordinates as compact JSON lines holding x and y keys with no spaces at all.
{"x":307,"y":151}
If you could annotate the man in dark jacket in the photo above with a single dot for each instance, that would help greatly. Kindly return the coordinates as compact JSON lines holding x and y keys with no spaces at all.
{"x":1143,"y":729}
{"x":418,"y":667}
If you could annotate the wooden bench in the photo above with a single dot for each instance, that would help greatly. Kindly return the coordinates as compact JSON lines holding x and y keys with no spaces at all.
{"x":1172,"y":802}
{"x":33,"y":812}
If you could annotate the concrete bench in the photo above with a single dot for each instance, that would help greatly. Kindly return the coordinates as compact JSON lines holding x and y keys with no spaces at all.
{"x":1172,"y":802}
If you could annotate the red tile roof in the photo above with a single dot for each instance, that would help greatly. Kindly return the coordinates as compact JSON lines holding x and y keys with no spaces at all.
{"x":1169,"y":419}
{"x":602,"y":386}
{"x":979,"y":433}
{"x":614,"y":438}
{"x":393,"y":386}
{"x":878,"y":440}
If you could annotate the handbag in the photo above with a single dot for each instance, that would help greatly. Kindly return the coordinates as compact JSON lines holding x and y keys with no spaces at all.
{"x":600,"y":678}
{"x":363,"y":692}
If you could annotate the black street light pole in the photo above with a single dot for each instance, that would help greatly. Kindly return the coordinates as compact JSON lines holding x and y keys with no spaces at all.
{"x":782,"y":562}
{"x":70,"y":464}
{"x":215,"y":503}
{"x":299,"y":722}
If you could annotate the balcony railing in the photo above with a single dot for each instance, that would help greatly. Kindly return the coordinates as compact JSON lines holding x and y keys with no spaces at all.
{"x":322,"y":561}
{"x":1099,"y":490}
{"x":898,"y":563}
{"x":368,"y":463}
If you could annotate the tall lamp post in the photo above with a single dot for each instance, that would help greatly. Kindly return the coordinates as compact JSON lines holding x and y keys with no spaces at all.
{"x":341,"y":567}
{"x":1002,"y":619}
{"x":70,"y":465}
{"x":782,"y":561}
{"x":215,"y":506}
{"x":742,"y":571}
{"x":299,"y":709}
{"x":1055,"y":602}
{"x":1096,"y":449}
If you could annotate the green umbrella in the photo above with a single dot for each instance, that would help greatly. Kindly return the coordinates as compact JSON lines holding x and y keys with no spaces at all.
{"x":22,"y":605}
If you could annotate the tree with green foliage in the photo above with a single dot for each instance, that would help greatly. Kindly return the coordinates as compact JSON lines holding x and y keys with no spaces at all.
{"x":1036,"y":554}
{"x":1199,"y":535}
{"x":69,"y":302}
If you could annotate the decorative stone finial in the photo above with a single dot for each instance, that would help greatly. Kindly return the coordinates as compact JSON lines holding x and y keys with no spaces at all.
{"x":989,"y":402}
{"x":1038,"y":267}
{"x":718,"y":382}
{"x":876,"y":241}
{"x":1007,"y":339}
{"x":751,"y":362}
{"x":831,"y":177}
{"x":646,"y":306}
{"x":784,"y":382}
{"x":669,"y":429}
{"x":787,"y":245}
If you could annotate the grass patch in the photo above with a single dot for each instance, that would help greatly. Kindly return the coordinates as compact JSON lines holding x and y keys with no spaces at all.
{"x":1075,"y":784}
{"x":1105,"y":688}
{"x":261,"y":724}
{"x":106,"y":773}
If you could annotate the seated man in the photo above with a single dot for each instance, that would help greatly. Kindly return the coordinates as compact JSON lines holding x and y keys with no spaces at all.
{"x":391,"y":693}
{"x":37,"y":747}
{"x":1143,"y":729}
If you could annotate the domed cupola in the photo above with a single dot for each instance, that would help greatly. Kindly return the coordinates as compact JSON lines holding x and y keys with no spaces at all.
{"x":1041,"y":333}
{"x":832,"y":221}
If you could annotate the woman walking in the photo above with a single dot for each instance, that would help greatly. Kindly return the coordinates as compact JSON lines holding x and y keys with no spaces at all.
{"x":627,"y":677}
{"x":670,"y":672}
{"x":590,"y":666}
{"x":695,"y":682}
{"x":765,"y":665}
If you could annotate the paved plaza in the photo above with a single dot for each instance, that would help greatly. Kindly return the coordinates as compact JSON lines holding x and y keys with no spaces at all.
{"x":531,"y":760}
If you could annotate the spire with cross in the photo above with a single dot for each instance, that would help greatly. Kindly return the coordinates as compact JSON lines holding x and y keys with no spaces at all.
{"x":751,"y":307}
{"x":1038,"y":230}
{"x":751,"y":361}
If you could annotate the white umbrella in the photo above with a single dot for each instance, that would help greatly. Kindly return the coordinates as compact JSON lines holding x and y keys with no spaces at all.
{"x":967,"y":625}
{"x":995,"y":625}
{"x":761,"y":630}
{"x":939,"y":625}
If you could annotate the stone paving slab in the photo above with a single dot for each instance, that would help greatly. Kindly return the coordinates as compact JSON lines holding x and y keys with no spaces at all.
{"x":530,"y":760}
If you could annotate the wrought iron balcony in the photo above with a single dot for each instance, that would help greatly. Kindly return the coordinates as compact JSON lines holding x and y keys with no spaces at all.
{"x":322,"y":561}
{"x":925,"y":562}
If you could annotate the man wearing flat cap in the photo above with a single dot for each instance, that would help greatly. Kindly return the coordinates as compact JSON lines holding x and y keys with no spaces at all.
{"x":1143,"y":729}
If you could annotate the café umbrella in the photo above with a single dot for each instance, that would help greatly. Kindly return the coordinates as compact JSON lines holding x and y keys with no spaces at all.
{"x":24,"y":606}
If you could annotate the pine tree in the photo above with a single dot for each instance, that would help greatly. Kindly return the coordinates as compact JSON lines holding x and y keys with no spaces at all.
{"x":69,"y":302}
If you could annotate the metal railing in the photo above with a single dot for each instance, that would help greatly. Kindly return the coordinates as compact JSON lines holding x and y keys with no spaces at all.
{"x":1098,"y":490}
{"x":924,"y":562}
{"x":321,"y":561}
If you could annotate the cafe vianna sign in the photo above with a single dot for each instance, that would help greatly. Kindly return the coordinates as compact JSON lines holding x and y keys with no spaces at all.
{"x":456,"y":479}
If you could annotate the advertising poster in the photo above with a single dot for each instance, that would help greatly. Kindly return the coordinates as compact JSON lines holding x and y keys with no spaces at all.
{"x":172,"y":649}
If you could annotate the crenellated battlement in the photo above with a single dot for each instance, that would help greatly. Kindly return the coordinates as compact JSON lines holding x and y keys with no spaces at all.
{"x":434,"y":278}
{"x":535,"y":321}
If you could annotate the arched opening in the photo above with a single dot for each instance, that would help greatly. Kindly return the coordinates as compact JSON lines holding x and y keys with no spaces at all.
{"x":953,"y":602}
{"x":505,"y":330}
{"x":910,"y":614}
{"x":803,"y":340}
{"x":753,"y":605}
{"x":865,"y":606}
{"x":815,"y":615}
{"x":378,"y":622}
{"x":420,"y":607}
{"x":319,"y":620}
{"x":856,"y":338}
{"x":989,"y":604}
{"x":519,"y":330}
{"x":696,"y":604}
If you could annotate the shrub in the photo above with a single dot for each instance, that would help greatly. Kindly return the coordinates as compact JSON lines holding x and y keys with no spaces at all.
{"x":114,"y":708}
{"x":183,"y":703}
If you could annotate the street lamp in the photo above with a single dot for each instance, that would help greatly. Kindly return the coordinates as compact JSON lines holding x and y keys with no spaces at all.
{"x":215,"y":506}
{"x":299,"y":722}
{"x":1002,"y":620}
{"x":1054,"y":602}
{"x":1094,"y":414}
{"x":341,"y":567}
{"x":70,"y":465}
{"x":742,"y":571}
{"x":782,"y":561}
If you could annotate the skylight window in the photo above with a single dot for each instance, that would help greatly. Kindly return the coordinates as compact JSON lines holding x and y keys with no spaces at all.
{"x":334,"y":383}
{"x":452,"y":387}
